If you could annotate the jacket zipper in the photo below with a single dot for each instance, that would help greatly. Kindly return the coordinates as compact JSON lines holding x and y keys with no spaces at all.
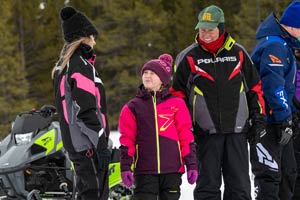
{"x":137,"y":155}
{"x":218,"y":92}
{"x":156,"y":133}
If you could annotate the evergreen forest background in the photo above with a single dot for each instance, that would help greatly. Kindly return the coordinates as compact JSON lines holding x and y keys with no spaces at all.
{"x":131,"y":33}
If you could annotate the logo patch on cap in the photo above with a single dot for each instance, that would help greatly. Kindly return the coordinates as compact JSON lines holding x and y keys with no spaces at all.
{"x":207,"y":17}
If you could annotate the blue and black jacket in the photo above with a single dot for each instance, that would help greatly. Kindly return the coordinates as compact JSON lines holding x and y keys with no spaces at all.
{"x":273,"y":57}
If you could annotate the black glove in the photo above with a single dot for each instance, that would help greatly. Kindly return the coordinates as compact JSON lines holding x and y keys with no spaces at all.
{"x":257,"y":129}
{"x":256,"y":133}
{"x":295,"y":120}
{"x":285,"y":131}
{"x":103,"y":153}
{"x":104,"y":157}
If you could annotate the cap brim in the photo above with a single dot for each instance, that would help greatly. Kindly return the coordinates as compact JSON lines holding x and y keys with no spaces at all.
{"x":208,"y":25}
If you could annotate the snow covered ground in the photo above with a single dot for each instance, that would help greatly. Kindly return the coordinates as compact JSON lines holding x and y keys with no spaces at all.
{"x":186,"y":188}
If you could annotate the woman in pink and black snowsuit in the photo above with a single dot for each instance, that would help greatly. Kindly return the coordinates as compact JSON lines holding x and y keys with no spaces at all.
{"x":81,"y":104}
{"x":156,"y":136}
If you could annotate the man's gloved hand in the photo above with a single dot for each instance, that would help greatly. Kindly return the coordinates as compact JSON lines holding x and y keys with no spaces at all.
{"x":127,"y":178}
{"x":295,"y":120}
{"x":285,"y":131}
{"x":104,"y":156}
{"x":257,"y":128}
{"x":192,"y":176}
{"x":256,"y":133}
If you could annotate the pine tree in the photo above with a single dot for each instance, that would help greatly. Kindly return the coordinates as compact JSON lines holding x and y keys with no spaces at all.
{"x":14,"y":86}
{"x":182,"y":19}
{"x":251,"y":14}
{"x":245,"y":24}
{"x":131,"y":33}
{"x":41,"y":40}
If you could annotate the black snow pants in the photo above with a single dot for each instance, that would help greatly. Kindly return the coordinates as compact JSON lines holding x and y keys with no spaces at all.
{"x":223,"y":155}
{"x":91,"y":183}
{"x":274,"y":167}
{"x":157,"y":186}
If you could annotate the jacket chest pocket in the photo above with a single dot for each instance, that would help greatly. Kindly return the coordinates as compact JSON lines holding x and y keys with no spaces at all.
{"x":199,"y":110}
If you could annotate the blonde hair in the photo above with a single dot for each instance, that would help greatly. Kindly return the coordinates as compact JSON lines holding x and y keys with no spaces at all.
{"x":66,"y":53}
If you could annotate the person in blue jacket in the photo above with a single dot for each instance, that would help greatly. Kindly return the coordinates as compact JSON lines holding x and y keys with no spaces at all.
{"x":273,"y":161}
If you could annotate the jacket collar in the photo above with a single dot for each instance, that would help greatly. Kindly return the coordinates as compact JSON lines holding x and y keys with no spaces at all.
{"x":143,"y":93}
{"x":228,"y":42}
{"x":86,"y":51}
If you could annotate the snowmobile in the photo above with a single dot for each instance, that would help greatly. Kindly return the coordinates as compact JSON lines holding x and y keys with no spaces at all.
{"x":34,"y":164}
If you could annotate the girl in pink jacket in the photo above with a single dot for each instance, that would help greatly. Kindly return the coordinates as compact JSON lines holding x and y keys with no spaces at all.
{"x":156,"y":136}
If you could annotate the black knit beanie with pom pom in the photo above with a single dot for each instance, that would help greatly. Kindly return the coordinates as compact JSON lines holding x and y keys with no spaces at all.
{"x":75,"y":25}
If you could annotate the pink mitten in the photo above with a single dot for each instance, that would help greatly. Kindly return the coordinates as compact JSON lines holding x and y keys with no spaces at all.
{"x":127,"y":178}
{"x":192,"y":176}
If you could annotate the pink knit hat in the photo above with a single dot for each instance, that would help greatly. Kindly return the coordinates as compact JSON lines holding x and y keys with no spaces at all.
{"x":162,"y":67}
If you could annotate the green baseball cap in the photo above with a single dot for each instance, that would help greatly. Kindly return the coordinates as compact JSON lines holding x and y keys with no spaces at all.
{"x":210,"y":17}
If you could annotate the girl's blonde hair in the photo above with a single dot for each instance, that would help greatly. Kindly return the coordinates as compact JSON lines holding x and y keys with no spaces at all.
{"x":66,"y":53}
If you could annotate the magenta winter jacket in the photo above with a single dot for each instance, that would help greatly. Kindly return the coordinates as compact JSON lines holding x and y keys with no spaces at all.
{"x":156,"y":133}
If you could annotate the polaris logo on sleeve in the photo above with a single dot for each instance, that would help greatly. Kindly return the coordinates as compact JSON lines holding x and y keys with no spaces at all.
{"x":217,"y":59}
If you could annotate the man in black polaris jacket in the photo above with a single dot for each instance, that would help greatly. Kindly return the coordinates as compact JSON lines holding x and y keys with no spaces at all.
{"x":222,"y":88}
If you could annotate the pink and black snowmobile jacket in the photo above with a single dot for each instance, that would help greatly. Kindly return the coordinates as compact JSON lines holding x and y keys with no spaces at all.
{"x":156,"y":134}
{"x":81,"y":103}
